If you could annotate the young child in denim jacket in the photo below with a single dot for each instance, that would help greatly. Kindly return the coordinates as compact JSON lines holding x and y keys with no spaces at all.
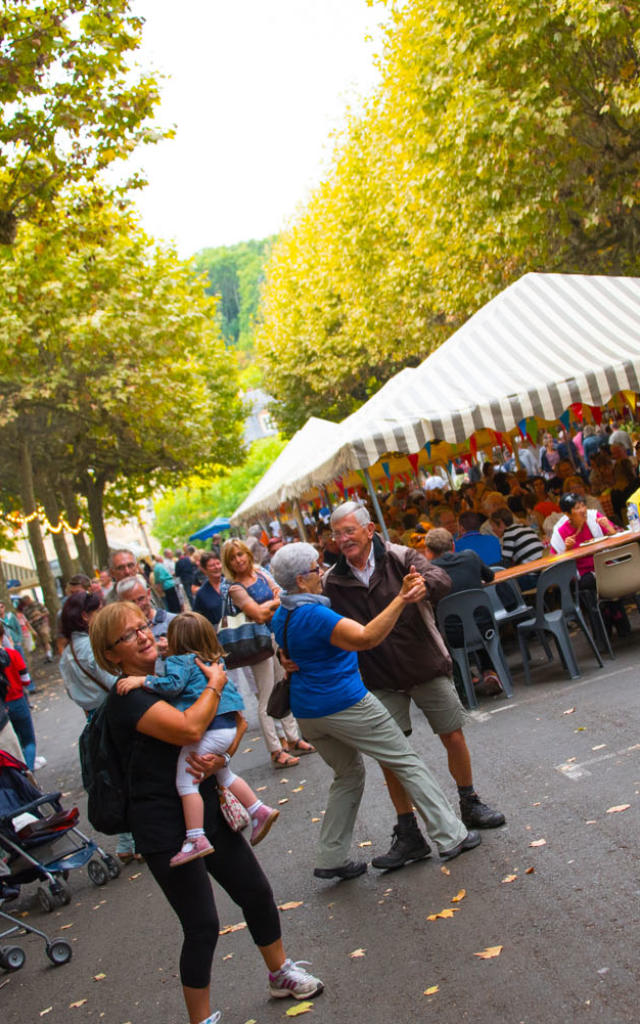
{"x":190,"y":635}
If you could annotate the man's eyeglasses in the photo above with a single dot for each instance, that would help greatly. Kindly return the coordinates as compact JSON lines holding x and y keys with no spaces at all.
{"x":349,"y":531}
{"x":318,"y":569}
{"x":129,"y":636}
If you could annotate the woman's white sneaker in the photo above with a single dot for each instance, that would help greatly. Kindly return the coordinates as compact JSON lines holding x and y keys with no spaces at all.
{"x":293,"y":980}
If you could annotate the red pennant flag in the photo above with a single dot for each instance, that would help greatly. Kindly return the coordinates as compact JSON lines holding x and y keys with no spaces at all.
{"x":413,"y":462}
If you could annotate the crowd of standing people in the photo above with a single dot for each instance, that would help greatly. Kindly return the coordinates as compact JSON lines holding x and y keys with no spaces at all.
{"x":350,"y":612}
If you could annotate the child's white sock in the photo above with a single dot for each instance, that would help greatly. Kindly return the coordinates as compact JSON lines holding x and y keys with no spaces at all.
{"x":254,"y":807}
{"x":193,"y":833}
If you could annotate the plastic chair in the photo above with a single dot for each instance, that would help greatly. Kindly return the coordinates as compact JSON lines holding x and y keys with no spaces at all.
{"x":618,"y":573}
{"x":562,"y":577}
{"x":457,"y":614}
{"x":507,"y":602}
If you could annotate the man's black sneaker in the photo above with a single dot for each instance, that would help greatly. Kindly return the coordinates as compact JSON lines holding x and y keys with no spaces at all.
{"x":470,"y":840}
{"x":475,"y":814}
{"x":351,"y":869}
{"x":406,"y":845}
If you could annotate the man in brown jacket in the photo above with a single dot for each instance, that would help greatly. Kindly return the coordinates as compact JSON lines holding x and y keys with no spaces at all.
{"x":412,"y":664}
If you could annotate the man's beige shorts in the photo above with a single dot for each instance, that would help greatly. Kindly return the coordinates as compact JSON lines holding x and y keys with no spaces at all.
{"x":437,"y":699}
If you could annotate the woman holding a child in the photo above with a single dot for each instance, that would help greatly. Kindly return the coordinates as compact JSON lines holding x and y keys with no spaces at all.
{"x":148,"y":733}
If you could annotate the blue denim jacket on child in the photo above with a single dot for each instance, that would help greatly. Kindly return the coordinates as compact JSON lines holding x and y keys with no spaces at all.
{"x":184,"y":682}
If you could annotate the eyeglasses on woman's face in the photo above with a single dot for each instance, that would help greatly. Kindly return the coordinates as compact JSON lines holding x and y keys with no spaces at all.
{"x":130,"y":636}
{"x":315,"y":569}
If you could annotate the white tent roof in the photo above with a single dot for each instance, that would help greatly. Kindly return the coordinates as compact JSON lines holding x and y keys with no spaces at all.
{"x":545,"y":342}
{"x":315,"y":438}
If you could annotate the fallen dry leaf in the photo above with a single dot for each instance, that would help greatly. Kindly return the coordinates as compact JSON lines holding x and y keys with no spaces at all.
{"x":509,"y":878}
{"x":569,"y":711}
{"x":48,"y":1010}
{"x":290,"y":906}
{"x":285,"y":800}
{"x":260,"y":789}
{"x":529,"y":871}
{"x":537,"y":803}
{"x":447,"y":912}
{"x":367,"y":842}
{"x":79,"y":1002}
{"x":599,"y":746}
{"x":431,"y":991}
{"x":538,"y":842}
{"x":300,"y":1008}
{"x":461,"y":895}
{"x":247,"y":750}
{"x":315,"y":819}
{"x":63,"y":927}
{"x":490,"y":952}
{"x":445,"y":870}
{"x":229,"y":956}
{"x":298,"y":789}
{"x":232,"y":928}
{"x":99,"y":977}
{"x":137,"y":875}
{"x":619,"y":807}
{"x":357,"y":953}
{"x":591,"y":821}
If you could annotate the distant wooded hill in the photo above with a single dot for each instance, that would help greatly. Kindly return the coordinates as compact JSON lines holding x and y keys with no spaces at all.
{"x":236,"y":274}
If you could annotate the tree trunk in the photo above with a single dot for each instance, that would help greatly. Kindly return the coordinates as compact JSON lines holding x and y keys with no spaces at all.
{"x":47,"y":496}
{"x":73,"y":515}
{"x":4,"y":593}
{"x":94,"y":493}
{"x":45,"y":575}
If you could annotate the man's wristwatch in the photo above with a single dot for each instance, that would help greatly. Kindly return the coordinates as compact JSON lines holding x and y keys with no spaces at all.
{"x":227,"y":759}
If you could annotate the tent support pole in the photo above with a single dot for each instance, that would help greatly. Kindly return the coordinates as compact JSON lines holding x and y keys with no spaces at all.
{"x":376,"y":504}
{"x":327,"y":499}
{"x":299,"y":517}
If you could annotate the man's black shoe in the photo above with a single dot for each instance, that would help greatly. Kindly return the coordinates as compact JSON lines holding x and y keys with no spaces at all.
{"x":406,"y":845}
{"x":351,"y":869}
{"x":470,"y":840}
{"x":475,"y":814}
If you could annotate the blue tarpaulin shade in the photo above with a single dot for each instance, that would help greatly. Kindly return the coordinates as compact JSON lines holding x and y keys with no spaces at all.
{"x":215,"y":526}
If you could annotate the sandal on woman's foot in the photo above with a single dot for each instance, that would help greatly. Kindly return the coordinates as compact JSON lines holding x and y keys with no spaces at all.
{"x":302,"y":747}
{"x":281,"y":759}
{"x":125,"y":858}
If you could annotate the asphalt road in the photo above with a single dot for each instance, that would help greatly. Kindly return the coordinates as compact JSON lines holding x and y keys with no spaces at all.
{"x":567,"y":922}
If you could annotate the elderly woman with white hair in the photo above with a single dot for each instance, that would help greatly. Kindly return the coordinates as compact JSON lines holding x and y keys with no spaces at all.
{"x":341,"y":717}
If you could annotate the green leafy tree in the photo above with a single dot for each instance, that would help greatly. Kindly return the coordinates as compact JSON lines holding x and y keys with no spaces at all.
{"x":111,"y":364}
{"x":236,"y":274}
{"x":69,"y":102}
{"x":504,"y":137}
{"x":184,"y":510}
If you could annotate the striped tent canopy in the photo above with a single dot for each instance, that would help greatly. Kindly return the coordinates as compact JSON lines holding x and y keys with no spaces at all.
{"x":546,"y":342}
{"x":317,"y":436}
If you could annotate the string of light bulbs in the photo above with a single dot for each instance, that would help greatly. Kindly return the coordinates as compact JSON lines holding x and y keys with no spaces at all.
{"x":17,"y":521}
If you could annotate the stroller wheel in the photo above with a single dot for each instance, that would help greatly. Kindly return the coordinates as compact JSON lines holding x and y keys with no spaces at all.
{"x":45,"y":899}
{"x":12,"y":958}
{"x":62,"y":893}
{"x":97,"y":872}
{"x":59,"y":952}
{"x":112,"y":865}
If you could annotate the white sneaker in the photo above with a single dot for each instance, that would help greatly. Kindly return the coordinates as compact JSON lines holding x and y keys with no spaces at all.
{"x":39,"y":763}
{"x":213,"y":1019}
{"x":293,"y":980}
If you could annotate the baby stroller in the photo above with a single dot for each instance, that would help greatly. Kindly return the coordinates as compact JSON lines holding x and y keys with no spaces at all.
{"x":44,"y":848}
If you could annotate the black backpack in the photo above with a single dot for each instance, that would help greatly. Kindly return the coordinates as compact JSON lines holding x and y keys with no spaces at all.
{"x":102,"y":776}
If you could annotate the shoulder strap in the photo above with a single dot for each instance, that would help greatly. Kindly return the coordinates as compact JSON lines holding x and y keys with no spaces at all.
{"x":284,"y":635}
{"x":86,"y":671}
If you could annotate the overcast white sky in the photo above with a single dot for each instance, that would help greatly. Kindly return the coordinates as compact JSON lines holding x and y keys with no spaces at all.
{"x":255,"y":88}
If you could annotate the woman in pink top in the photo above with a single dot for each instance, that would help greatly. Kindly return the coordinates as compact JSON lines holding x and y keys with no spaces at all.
{"x":580,"y":526}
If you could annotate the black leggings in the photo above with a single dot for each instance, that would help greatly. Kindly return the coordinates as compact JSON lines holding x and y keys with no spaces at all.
{"x":189,"y":892}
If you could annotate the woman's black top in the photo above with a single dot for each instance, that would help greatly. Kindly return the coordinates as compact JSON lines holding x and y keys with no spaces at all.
{"x":155,"y":809}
